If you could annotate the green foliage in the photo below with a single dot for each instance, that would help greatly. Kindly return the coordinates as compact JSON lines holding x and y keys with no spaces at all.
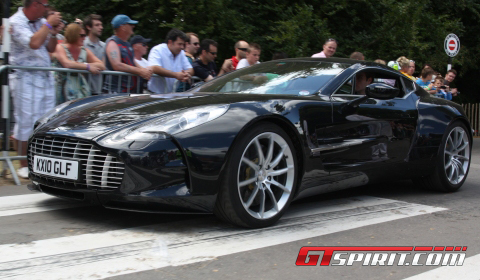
{"x":291,"y":33}
{"x":383,"y":29}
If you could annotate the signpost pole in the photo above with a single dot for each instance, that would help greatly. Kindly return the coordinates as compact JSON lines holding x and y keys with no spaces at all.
{"x":449,"y":66}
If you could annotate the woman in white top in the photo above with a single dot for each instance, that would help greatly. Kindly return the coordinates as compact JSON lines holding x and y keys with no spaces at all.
{"x":75,"y":56}
{"x":253,"y":56}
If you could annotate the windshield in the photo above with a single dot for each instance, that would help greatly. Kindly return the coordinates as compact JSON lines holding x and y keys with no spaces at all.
{"x":286,"y":77}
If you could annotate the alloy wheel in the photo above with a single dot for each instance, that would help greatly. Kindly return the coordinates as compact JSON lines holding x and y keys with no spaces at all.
{"x":457,"y":155}
{"x":266,"y":175}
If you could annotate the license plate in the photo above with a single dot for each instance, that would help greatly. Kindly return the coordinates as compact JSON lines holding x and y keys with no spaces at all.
{"x":55,"y":167}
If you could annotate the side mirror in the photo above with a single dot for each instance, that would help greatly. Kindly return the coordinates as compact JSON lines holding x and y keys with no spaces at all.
{"x":381,"y":91}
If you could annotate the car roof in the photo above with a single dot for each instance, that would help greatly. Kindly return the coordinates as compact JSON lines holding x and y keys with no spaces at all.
{"x":335,"y":60}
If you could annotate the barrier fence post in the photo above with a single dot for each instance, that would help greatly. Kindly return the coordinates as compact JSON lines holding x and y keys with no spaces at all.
{"x":474,"y":113}
{"x":475,"y":118}
{"x":469,"y":115}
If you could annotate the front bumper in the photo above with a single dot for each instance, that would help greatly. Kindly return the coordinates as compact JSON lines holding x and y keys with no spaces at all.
{"x":155,"y":178}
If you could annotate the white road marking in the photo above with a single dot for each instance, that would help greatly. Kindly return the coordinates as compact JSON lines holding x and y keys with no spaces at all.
{"x":118,"y":252}
{"x":469,"y":270}
{"x":32,"y":203}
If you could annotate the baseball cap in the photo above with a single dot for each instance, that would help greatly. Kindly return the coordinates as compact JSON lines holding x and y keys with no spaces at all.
{"x":139,"y":39}
{"x":119,"y":20}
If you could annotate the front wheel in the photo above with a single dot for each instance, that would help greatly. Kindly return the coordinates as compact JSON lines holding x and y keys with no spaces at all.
{"x":453,"y":161}
{"x":260,"y":178}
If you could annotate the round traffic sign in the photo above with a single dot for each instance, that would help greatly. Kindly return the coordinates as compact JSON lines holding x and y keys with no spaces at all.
{"x":452,"y":45}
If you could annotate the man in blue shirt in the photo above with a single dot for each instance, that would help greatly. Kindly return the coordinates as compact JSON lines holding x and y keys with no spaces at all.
{"x":169,"y":60}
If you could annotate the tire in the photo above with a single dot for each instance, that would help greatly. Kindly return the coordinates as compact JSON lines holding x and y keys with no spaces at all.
{"x":453,"y":161}
{"x":260,"y":178}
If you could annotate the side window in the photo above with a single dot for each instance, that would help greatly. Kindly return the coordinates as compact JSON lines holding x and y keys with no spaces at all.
{"x":346,"y":88}
{"x":363,"y":78}
{"x":357,"y":85}
{"x":390,"y":82}
{"x":408,"y":86}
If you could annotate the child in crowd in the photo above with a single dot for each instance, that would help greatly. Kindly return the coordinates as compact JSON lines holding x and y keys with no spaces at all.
{"x":425,"y":80}
{"x":439,"y":88}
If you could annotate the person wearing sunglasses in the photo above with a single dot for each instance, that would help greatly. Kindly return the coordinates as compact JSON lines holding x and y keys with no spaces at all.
{"x":74,"y":55}
{"x":230,"y":64}
{"x":204,"y":67}
{"x":33,"y":37}
{"x":404,"y":64}
{"x":192,"y":46}
{"x":329,"y":49}
{"x":119,"y":56}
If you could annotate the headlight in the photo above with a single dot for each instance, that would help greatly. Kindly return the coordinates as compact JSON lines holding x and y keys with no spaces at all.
{"x":171,"y":124}
{"x":50,"y":114}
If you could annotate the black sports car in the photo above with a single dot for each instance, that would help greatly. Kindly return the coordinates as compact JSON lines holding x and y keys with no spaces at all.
{"x":246,"y":144}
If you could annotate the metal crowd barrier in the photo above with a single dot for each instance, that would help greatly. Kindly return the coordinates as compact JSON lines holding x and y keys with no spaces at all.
{"x":42,"y":79}
{"x":90,"y":77}
{"x":177,"y":83}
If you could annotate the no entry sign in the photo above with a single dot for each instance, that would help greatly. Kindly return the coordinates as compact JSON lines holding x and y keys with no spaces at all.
{"x":452,"y":45}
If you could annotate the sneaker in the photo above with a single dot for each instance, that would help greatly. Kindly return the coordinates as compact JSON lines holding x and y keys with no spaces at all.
{"x":23,"y":172}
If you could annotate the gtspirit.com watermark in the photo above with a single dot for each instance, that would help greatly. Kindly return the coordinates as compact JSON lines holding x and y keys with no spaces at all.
{"x":382,"y":256}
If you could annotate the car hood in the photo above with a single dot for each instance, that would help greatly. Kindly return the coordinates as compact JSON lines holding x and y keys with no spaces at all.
{"x":98,"y":117}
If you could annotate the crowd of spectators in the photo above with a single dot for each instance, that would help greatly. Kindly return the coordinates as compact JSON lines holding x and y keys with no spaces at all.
{"x":37,"y":42}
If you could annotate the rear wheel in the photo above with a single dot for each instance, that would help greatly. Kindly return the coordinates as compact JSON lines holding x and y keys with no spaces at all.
{"x":260,"y":178}
{"x":453,"y":161}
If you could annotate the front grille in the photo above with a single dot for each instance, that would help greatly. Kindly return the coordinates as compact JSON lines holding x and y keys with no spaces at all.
{"x":98,"y":169}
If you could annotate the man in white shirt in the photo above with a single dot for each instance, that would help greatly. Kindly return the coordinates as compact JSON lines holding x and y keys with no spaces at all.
{"x":253,"y":56}
{"x":33,"y":37}
{"x":169,"y":60}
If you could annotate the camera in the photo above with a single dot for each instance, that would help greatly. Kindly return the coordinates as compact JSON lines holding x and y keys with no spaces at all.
{"x":443,"y":87}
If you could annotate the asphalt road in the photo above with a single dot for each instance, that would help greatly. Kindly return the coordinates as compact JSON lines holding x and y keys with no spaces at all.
{"x":49,"y":238}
